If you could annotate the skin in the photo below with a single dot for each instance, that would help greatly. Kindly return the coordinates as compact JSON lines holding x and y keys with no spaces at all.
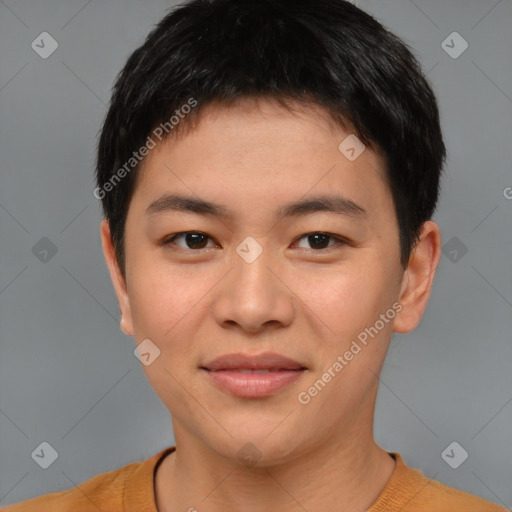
{"x":297,"y":299}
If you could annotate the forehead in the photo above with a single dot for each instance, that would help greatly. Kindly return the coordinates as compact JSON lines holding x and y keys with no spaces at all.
{"x":259,"y":146}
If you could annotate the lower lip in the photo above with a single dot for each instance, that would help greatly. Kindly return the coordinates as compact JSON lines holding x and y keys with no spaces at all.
{"x":254,"y":385}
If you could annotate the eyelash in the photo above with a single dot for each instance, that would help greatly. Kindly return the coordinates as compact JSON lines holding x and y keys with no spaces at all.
{"x":338,"y":240}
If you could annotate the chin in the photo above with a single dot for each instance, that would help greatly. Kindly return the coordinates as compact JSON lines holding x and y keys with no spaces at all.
{"x":258,"y":449}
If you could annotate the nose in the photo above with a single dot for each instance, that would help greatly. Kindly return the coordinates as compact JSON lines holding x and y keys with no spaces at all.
{"x":254,"y":296}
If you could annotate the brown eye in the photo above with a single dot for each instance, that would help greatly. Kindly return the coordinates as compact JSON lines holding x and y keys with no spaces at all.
{"x":320,"y":240}
{"x":193,"y":240}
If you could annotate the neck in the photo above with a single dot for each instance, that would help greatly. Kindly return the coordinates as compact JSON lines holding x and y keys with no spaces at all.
{"x":343,"y":476}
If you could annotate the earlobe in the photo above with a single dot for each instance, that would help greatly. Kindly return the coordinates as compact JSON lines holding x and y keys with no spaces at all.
{"x":118,"y":279}
{"x":418,"y":278}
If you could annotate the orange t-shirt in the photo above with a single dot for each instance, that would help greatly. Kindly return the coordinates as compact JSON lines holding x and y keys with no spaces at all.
{"x":131,"y":489}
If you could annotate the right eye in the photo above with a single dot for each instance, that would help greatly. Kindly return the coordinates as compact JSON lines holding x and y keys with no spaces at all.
{"x":193,"y":239}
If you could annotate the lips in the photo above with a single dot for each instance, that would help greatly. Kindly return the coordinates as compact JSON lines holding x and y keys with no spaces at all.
{"x":258,"y":376}
{"x":266,"y":361}
{"x":246,"y":370}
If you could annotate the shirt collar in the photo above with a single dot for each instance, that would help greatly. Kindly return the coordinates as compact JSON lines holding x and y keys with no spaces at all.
{"x":139,"y":491}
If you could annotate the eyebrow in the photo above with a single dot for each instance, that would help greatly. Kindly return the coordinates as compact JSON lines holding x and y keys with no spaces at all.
{"x":321,"y":203}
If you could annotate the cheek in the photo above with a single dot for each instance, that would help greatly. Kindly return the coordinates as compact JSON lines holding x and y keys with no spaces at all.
{"x":347,"y":299}
{"x":165,"y":306}
{"x":162,"y":300}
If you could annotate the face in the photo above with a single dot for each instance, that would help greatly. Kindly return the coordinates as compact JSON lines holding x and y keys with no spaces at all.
{"x":318,"y":283}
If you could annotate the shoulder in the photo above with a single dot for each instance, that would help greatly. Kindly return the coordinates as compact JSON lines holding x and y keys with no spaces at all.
{"x":410,"y":491}
{"x":106,"y":491}
{"x":90,"y":495}
{"x":449,"y":499}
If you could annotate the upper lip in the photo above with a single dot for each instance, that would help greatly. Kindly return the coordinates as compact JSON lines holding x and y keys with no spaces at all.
{"x":267,"y":360}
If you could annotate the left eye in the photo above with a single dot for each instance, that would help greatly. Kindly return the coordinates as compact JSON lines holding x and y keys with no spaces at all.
{"x":321,"y":239}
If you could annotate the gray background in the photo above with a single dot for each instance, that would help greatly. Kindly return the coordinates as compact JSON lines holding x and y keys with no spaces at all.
{"x":69,"y":376}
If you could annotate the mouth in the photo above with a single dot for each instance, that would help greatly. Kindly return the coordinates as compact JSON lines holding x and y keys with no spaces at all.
{"x":248,"y":370}
{"x":246,"y":376}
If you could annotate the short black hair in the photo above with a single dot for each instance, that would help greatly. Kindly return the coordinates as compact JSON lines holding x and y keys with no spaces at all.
{"x":327,"y":53}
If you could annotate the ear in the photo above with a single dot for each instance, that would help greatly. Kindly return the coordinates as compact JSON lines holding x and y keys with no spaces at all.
{"x":118,"y":280}
{"x":418,"y":278}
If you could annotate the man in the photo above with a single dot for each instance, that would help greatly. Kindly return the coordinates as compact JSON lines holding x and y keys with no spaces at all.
{"x":268,"y":172}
